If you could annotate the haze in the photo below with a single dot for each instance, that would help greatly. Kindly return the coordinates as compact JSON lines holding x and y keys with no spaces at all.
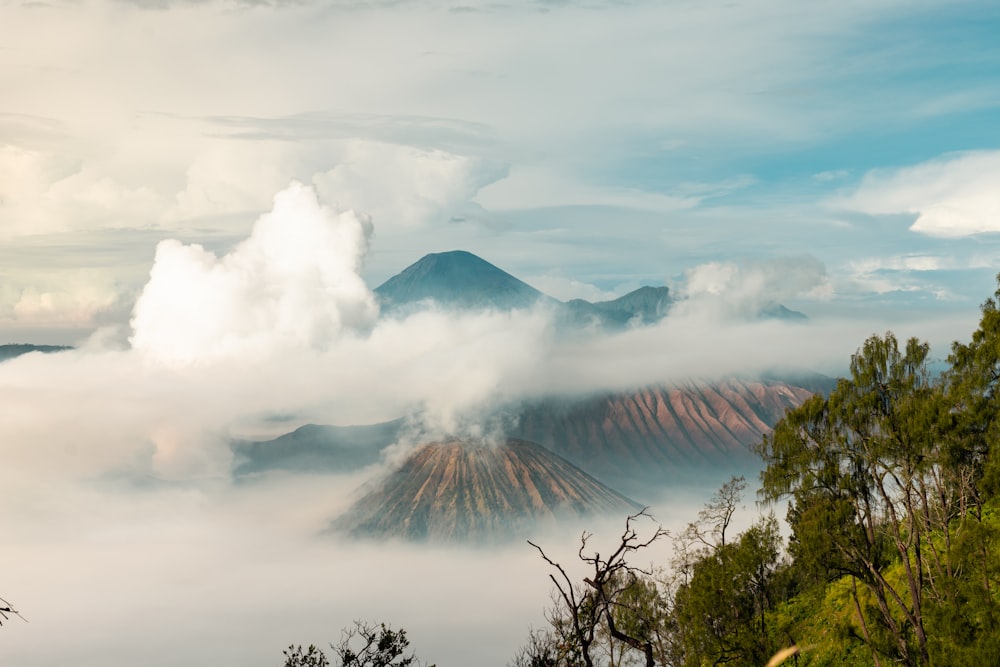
{"x":201,"y":196}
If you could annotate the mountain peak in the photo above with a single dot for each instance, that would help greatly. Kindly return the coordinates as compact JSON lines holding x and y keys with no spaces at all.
{"x":456,"y":278}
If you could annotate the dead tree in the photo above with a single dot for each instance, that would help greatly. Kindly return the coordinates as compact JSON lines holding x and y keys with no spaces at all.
{"x":7,"y":608}
{"x":592,"y":604}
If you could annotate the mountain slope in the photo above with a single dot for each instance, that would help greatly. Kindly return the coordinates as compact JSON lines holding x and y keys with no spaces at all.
{"x":635,"y":440}
{"x":461,"y":491}
{"x":315,"y":448}
{"x":650,"y":436}
{"x":461,"y":280}
{"x":645,"y":305}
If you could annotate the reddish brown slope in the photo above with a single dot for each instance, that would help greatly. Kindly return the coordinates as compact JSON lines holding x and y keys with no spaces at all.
{"x":658,"y":430}
{"x":460,"y":491}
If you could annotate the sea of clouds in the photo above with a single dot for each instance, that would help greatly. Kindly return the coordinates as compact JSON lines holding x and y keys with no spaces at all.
{"x":126,"y":540}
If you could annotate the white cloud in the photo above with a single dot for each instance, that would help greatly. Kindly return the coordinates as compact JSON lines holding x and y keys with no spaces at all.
{"x":74,"y":303}
{"x":295,"y":282}
{"x":564,"y":289}
{"x":900,"y":274}
{"x":951,"y":196}
{"x":915,"y":262}
{"x":403,"y":186}
{"x":233,"y":177}
{"x":729,"y":289}
{"x":44,"y":192}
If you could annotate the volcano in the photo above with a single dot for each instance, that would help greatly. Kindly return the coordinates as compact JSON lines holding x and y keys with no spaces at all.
{"x":456,"y":279}
{"x":637,"y":441}
{"x":459,"y":280}
{"x":460,"y":491}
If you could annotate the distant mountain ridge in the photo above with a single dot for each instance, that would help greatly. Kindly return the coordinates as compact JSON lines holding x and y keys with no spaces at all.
{"x":661,"y":433}
{"x":460,"y":280}
{"x":634,"y":440}
{"x":645,"y":305}
{"x":316,"y":448}
{"x":12,"y":350}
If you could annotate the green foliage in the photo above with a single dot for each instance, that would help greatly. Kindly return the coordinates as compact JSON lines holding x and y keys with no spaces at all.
{"x":893,"y":481}
{"x":295,"y":656}
{"x":545,"y":648}
{"x":363,"y":645}
{"x":862,"y":468}
{"x":721,"y":612}
{"x":973,"y":389}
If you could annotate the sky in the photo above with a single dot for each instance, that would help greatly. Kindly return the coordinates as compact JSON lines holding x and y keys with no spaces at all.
{"x":201,"y":196}
{"x":587,"y":148}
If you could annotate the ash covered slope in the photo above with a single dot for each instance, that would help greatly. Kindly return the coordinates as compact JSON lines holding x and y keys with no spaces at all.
{"x":457,"y":491}
{"x":635,"y":438}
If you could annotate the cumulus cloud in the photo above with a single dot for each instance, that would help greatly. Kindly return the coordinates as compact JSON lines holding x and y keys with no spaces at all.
{"x":294,"y":282}
{"x":58,"y":298}
{"x":951,"y":196}
{"x":404,"y":186}
{"x":228,"y":177}
{"x":44,"y":192}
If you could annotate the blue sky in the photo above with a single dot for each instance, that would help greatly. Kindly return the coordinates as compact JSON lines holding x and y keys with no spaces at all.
{"x":586,"y":147}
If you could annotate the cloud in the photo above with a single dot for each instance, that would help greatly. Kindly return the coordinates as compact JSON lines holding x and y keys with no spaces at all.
{"x":293,"y":283}
{"x":564,"y":289}
{"x":741,"y":290}
{"x":80,"y":298}
{"x":951,"y":196}
{"x":233,"y":177}
{"x":119,"y":514}
{"x":538,"y":186}
{"x":404,"y":186}
{"x":44,"y":192}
